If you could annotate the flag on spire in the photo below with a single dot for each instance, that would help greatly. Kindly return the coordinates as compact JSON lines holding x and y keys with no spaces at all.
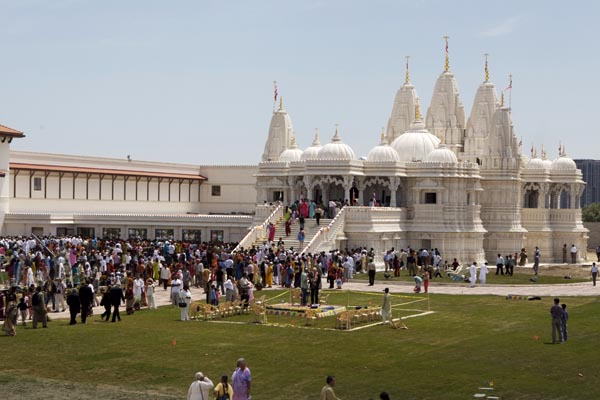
{"x":275,"y":91}
{"x":510,"y":83}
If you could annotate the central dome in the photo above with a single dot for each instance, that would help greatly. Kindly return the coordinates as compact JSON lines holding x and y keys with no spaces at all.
{"x":336,"y":150}
{"x":416,"y":143}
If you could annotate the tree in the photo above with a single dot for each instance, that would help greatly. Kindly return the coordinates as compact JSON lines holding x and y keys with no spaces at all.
{"x":591,"y":213}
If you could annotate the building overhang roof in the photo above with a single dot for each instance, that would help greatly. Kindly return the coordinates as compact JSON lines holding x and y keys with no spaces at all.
{"x":103,"y":171}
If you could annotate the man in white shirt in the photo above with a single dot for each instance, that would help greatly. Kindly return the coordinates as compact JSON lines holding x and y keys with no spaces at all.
{"x":200,"y":389}
{"x":500,"y":265}
{"x":473,"y":273}
{"x":175,"y":289}
{"x":573,"y":254}
{"x":138,"y":287}
{"x":165,"y":275}
{"x":228,"y":284}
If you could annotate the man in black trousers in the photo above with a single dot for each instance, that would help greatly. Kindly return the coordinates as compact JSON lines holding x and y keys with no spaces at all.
{"x":74,"y":305}
{"x":116,"y":296}
{"x":85,"y":296}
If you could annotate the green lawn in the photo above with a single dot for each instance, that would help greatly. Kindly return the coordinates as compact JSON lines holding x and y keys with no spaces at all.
{"x":467,"y":342}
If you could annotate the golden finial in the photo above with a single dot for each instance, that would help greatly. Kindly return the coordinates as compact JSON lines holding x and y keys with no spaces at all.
{"x":406,"y":77}
{"x":502,"y":99}
{"x":447,"y":63}
{"x":382,"y":134}
{"x":281,"y":103}
{"x":487,"y":72}
{"x":417,"y":110}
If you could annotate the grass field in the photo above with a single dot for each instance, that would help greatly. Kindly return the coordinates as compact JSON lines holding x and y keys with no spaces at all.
{"x":468,"y":342}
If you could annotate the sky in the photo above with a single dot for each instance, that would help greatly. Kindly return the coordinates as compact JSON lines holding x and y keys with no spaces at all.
{"x":191,"y":81}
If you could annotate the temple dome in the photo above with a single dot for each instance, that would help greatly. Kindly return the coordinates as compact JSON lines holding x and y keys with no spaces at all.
{"x":312,"y":152}
{"x":291,"y":154}
{"x":416,"y":143}
{"x":336,"y":150}
{"x":564,"y":163}
{"x":547,"y":164}
{"x":442,"y":155}
{"x":383,"y":153}
{"x":535,"y":163}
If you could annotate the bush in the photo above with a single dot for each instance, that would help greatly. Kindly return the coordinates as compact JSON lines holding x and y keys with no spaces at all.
{"x":591,"y":213}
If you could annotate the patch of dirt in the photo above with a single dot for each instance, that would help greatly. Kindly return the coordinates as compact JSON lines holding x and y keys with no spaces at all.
{"x":581,"y":272}
{"x":26,"y":388}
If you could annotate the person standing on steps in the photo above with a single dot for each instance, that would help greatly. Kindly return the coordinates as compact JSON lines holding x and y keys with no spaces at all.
{"x":573,"y":254}
{"x":319,"y":213}
{"x":301,"y":237}
{"x":594,"y":272}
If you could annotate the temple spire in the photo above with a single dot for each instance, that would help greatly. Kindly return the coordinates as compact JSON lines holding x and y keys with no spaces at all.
{"x":407,"y":76}
{"x":502,"y":99}
{"x":316,"y":141}
{"x":487,"y":72}
{"x":281,"y":103}
{"x":336,"y":137}
{"x":418,"y":116}
{"x":447,"y":61}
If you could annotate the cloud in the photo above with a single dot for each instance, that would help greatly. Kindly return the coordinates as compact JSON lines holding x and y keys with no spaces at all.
{"x":503,"y":28}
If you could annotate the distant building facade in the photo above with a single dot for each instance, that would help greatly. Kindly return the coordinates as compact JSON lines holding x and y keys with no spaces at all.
{"x":591,"y":175}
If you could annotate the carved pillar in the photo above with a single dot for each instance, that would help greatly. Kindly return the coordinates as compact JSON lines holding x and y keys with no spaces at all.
{"x":291,"y":189}
{"x":393,"y":184}
{"x":361,"y":186}
{"x":347,"y":185}
{"x":307,"y":181}
{"x":543,"y":201}
{"x":325,"y":193}
{"x":573,"y":195}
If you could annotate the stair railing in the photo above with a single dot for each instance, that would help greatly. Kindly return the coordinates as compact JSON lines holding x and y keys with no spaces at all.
{"x":259,"y":232}
{"x":326,"y":233}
